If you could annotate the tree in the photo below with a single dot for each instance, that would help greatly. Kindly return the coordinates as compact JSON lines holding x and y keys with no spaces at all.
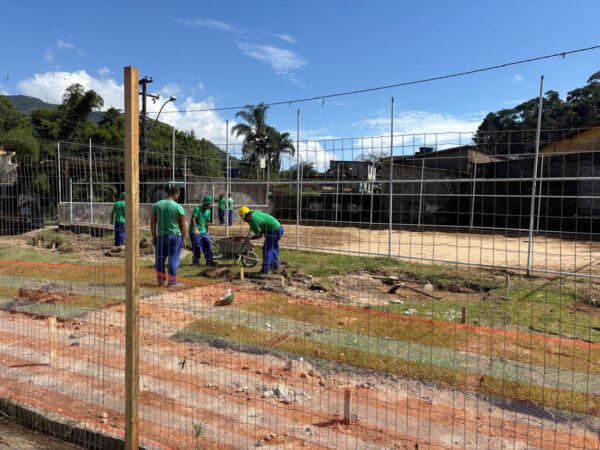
{"x":260,"y":139}
{"x":512,"y":130}
{"x":16,"y":133}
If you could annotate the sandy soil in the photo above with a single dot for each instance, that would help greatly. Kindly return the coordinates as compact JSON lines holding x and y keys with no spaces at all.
{"x":549,"y":254}
{"x":196,"y":396}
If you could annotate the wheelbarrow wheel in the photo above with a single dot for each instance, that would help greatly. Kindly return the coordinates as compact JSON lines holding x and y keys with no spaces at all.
{"x":249,"y":259}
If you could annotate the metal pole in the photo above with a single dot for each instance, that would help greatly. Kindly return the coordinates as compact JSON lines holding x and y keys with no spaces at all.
{"x":537,"y":227}
{"x":173,"y":146}
{"x":91,"y":187}
{"x":534,"y":181}
{"x":59,"y":174}
{"x":185,"y":179}
{"x":213,"y":204}
{"x":337,"y":191}
{"x":71,"y":201}
{"x":421,"y":192}
{"x":473,"y":195}
{"x":391,"y":178}
{"x":298,"y":179}
{"x":227,"y":175}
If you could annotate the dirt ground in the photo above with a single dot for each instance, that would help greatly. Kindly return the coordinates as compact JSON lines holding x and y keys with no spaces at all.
{"x":198,"y":396}
{"x":549,"y":253}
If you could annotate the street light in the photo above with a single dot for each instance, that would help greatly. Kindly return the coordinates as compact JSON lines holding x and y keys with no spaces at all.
{"x":172,"y":98}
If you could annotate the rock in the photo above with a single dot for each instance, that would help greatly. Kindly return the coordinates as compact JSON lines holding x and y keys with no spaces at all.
{"x":268,"y":325}
{"x":281,"y":391}
{"x":245,"y":367}
{"x":427,"y":288}
{"x":410,"y":312}
{"x":322,"y":383}
{"x":267,"y":394}
{"x":259,"y":443}
{"x":208,"y":385}
{"x":314,"y":373}
{"x":397,"y":301}
{"x":74,"y":344}
{"x":103,"y":415}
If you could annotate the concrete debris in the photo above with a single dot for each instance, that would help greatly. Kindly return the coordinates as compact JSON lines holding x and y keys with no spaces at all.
{"x":410,"y":311}
{"x":397,"y":302}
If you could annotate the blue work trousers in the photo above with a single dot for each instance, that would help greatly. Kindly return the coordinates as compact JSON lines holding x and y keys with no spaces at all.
{"x":201,"y":242}
{"x":167,"y":246}
{"x":271,"y":250}
{"x":221,"y":216}
{"x":119,"y":234}
{"x":230,"y":211}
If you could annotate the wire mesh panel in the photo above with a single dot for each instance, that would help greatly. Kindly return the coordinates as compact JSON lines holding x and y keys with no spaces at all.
{"x":391,"y":299}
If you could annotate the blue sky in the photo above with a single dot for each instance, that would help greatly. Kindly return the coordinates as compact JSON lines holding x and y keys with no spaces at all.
{"x":228,"y":53}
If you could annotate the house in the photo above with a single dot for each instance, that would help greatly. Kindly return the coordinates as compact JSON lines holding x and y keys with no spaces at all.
{"x":579,"y":140}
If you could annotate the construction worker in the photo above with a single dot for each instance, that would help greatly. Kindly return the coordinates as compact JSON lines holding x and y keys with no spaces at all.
{"x":263,"y":224}
{"x":222,"y":205}
{"x":230,"y":206}
{"x":168,"y":231}
{"x":118,"y":218}
{"x":201,"y":239}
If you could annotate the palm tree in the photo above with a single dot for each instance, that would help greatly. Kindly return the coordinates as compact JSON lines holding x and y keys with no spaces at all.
{"x":278,"y":143}
{"x":260,"y":139}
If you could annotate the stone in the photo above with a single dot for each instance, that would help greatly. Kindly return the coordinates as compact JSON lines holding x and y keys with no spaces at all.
{"x":267,"y":394}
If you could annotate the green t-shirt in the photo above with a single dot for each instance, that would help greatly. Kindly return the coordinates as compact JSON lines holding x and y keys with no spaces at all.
{"x":262,"y":223}
{"x":194,"y":214}
{"x":202,"y":217}
{"x":119,"y":211}
{"x":230,"y":203}
{"x":167,"y":214}
{"x":222,"y":203}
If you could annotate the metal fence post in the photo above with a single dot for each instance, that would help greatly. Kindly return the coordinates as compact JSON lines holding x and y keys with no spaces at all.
{"x":534,"y":181}
{"x":70,"y":201}
{"x":391,"y":208}
{"x":298,"y":180}
{"x":227,"y":176}
{"x":91,"y":187}
{"x":185,"y":195}
{"x":59,"y":174}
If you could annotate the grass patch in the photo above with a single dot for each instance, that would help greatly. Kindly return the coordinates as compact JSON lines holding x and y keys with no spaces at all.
{"x":396,"y":327}
{"x":326,"y":265}
{"x":222,"y":334}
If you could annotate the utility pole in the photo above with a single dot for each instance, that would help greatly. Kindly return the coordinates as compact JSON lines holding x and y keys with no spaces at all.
{"x":144,"y":82}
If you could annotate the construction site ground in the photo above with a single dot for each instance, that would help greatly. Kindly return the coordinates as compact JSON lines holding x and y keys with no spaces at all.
{"x":272,"y":369}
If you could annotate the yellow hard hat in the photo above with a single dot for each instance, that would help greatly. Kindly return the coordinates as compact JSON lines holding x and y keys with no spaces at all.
{"x":243,"y":211}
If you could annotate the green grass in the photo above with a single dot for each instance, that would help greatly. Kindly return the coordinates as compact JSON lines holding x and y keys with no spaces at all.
{"x":397,"y":327}
{"x":243,"y":338}
{"x":326,"y":265}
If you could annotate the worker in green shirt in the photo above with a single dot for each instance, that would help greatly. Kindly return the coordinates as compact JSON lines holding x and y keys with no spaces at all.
{"x":230,"y":205}
{"x":168,"y":231}
{"x":263,"y":224}
{"x":199,"y":232}
{"x":222,"y":205}
{"x":118,"y":218}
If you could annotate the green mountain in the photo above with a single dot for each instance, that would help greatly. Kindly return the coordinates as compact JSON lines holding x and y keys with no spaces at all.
{"x":25,"y":104}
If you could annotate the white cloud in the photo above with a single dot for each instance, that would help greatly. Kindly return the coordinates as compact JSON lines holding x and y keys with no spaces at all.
{"x":63,"y":45}
{"x":417,"y":128}
{"x":212,"y":24}
{"x":48,"y":55}
{"x":282,"y":61}
{"x":516,"y":78}
{"x":104,"y":72}
{"x":284,"y":37}
{"x":51,"y":86}
{"x":171,"y":89}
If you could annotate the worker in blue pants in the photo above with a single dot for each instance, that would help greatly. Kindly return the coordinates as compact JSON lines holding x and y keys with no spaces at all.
{"x":201,"y":238}
{"x":118,"y":218}
{"x":267,"y":226}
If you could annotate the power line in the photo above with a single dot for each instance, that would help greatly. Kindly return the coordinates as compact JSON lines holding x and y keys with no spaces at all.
{"x":405,"y":83}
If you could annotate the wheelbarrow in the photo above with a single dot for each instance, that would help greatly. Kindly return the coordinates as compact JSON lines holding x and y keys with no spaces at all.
{"x":234,"y":247}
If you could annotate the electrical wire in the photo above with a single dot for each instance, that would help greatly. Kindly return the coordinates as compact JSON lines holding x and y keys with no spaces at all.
{"x":390,"y":86}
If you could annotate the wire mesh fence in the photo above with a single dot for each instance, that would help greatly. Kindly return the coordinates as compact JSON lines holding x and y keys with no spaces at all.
{"x":408,"y":308}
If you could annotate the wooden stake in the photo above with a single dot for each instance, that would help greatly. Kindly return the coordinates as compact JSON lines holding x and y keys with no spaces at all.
{"x":347,"y":405}
{"x":241,"y":274}
{"x":464,"y":315}
{"x":132,"y":253}
{"x":53,"y":340}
